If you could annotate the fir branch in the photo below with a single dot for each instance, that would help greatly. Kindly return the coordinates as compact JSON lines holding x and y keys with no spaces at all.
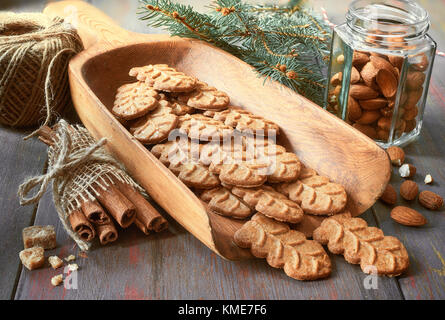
{"x":288,"y":44}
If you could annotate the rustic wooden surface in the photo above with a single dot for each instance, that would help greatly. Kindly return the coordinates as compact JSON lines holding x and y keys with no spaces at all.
{"x":175,"y":265}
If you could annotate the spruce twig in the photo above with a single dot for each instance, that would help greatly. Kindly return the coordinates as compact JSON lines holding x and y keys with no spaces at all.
{"x":288,"y":43}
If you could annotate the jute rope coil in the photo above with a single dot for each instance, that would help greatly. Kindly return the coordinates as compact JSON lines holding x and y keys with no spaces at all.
{"x":79,"y":167}
{"x":34,"y":54}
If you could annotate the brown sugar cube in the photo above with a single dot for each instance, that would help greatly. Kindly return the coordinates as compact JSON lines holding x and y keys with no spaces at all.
{"x":56,"y":280}
{"x":55,"y":262}
{"x":32,"y":258}
{"x":42,"y":236}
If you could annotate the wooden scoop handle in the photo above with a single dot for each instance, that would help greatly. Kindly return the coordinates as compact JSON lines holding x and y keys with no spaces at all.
{"x":93,"y":25}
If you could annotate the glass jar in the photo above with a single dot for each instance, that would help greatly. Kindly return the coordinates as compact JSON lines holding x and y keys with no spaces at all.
{"x":381,"y":61}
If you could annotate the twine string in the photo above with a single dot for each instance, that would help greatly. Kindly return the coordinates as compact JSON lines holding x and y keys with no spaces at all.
{"x":34,"y":54}
{"x":64,"y":162}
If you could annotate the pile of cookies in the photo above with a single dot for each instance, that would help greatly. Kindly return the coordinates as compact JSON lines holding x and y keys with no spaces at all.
{"x":230,"y":159}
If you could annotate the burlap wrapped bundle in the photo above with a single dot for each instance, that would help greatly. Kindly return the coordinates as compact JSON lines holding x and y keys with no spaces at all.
{"x":79,"y":168}
{"x":34,"y":54}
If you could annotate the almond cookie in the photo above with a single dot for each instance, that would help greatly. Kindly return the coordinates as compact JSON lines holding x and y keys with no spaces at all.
{"x":233,"y":168}
{"x":282,"y":247}
{"x":199,"y":127}
{"x":270,"y":203}
{"x":133,"y":100}
{"x":178,"y":107}
{"x":180,"y":159}
{"x":287,"y":168}
{"x":315,"y":194}
{"x":243,"y":121}
{"x":363,"y":245}
{"x":164,"y":78}
{"x":205,"y":97}
{"x":221,"y":201}
{"x":155,"y":126}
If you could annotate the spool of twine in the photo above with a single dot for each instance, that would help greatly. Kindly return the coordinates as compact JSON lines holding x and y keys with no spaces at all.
{"x":34,"y":54}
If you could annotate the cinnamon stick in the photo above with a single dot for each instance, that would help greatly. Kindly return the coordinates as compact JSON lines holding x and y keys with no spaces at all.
{"x":107,"y":232}
{"x":117,"y":205}
{"x":81,"y":225}
{"x":95,"y":213}
{"x":147,"y":217}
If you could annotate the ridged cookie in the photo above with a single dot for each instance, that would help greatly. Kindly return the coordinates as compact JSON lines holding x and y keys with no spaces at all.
{"x":133,"y":100}
{"x":205,"y":97}
{"x":180,"y":158}
{"x":363,"y":245}
{"x":282,"y":247}
{"x":270,"y":203}
{"x":178,"y":108}
{"x":155,"y":126}
{"x":246,"y":121}
{"x":202,"y":128}
{"x":221,"y":201}
{"x":164,"y":78}
{"x":233,"y":168}
{"x":315,"y":194}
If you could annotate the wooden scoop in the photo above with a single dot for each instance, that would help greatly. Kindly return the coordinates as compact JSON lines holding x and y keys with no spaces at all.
{"x":321,"y":140}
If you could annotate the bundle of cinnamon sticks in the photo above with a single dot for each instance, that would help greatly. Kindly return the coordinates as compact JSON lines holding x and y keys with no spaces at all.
{"x":120,"y":202}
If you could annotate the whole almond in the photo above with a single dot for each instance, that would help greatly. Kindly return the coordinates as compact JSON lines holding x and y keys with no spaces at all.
{"x":397,"y":155}
{"x":359,"y":59}
{"x":366,"y":130}
{"x":410,"y":125}
{"x":383,"y":134}
{"x":396,"y":61}
{"x":368,"y":73}
{"x":381,"y":63}
{"x":387,"y":112}
{"x":355,"y":75}
{"x":362,"y":92}
{"x":373,"y":104}
{"x":400,"y":128}
{"x":337,"y":90}
{"x":354,"y":110}
{"x":389,"y":196}
{"x":341,"y":59}
{"x":415,"y":79}
{"x":369,"y":117}
{"x":430,"y":200}
{"x":408,"y":217}
{"x":412,"y":98}
{"x":410,"y":114}
{"x":387,"y":83}
{"x":336,"y":79}
{"x":409,"y":190}
{"x":384,"y":123}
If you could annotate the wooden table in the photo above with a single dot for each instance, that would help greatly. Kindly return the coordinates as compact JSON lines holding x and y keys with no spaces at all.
{"x":174,"y":264}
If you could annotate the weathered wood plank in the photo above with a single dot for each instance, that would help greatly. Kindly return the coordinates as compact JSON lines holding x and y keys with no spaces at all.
{"x":19,"y":160}
{"x":175,"y":265}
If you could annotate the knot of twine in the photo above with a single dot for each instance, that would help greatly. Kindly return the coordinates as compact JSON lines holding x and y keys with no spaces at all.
{"x":34,"y":55}
{"x":72,"y":155}
{"x":65,"y":160}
